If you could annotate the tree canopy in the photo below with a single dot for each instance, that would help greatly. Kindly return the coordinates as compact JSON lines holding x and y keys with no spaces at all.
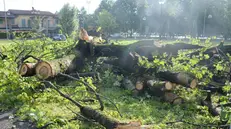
{"x":165,"y":17}
{"x":68,"y":19}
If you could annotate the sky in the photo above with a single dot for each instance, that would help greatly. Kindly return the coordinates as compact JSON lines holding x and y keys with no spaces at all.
{"x":47,"y":5}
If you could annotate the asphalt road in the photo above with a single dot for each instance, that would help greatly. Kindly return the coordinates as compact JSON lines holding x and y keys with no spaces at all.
{"x":7,"y":121}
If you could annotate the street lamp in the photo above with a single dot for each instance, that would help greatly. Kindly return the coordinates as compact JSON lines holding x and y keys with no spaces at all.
{"x":5,"y":18}
{"x":209,"y":17}
{"x":161,"y":2}
{"x":88,"y":8}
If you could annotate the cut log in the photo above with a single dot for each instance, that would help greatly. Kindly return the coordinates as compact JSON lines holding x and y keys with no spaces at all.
{"x":27,"y":69}
{"x":128,"y":85}
{"x":155,"y":88}
{"x":160,"y":89}
{"x":170,"y":86}
{"x":164,"y":86}
{"x":46,"y":69}
{"x":179,"y":78}
{"x":172,"y":98}
{"x":140,"y":84}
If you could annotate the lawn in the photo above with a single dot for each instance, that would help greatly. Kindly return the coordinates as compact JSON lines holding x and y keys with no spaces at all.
{"x":44,"y":105}
{"x":4,"y":42}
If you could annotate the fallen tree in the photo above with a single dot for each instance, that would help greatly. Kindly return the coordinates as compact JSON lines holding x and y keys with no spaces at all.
{"x":183,"y":79}
{"x":27,"y":69}
{"x":67,"y":64}
{"x":159,"y":83}
{"x":103,"y":120}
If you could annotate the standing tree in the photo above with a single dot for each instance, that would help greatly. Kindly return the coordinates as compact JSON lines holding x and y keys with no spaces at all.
{"x":107,"y":22}
{"x":68,"y":17}
{"x":126,"y":14}
{"x":36,"y":23}
{"x":104,"y":5}
{"x":82,"y":17}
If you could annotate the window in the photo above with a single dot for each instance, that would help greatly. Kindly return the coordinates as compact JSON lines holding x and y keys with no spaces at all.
{"x":1,"y":21}
{"x":12,"y":21}
{"x":56,"y":21}
{"x":23,"y":23}
{"x":29,"y":23}
{"x":48,"y":23}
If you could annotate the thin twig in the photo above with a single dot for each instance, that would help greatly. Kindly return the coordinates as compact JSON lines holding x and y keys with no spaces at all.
{"x":86,"y":84}
{"x":65,"y":96}
{"x":79,"y":115}
{"x":92,"y":91}
{"x":112,"y":104}
{"x":19,"y":55}
{"x":28,"y":56}
{"x":46,"y":125}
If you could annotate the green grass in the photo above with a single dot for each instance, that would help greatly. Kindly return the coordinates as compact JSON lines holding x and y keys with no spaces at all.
{"x":44,"y":106}
{"x":5,"y":43}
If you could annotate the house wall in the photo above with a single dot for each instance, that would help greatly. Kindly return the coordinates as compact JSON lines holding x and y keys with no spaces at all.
{"x":18,"y":21}
{"x":52,"y":22}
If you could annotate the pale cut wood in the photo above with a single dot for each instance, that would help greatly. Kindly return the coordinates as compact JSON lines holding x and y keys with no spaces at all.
{"x":139,"y":85}
{"x":46,"y":69}
{"x":181,"y":78}
{"x":172,"y":98}
{"x":27,"y":69}
{"x":169,"y":86}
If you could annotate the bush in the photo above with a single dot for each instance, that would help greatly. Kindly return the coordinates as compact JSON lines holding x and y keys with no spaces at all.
{"x":2,"y":35}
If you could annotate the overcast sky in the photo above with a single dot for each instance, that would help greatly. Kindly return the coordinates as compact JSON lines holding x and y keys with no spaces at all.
{"x":47,"y":5}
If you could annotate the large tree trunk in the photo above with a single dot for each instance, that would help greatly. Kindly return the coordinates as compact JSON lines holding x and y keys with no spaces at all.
{"x":179,"y":78}
{"x":143,"y":48}
{"x":67,"y":64}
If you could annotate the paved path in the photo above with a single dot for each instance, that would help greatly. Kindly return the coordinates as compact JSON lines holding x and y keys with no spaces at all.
{"x":7,"y":121}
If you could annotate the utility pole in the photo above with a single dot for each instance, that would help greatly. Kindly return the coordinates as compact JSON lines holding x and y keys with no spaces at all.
{"x":161,"y":2}
{"x":5,"y":18}
{"x":88,"y":6}
{"x":204,"y":23}
{"x":47,"y":26}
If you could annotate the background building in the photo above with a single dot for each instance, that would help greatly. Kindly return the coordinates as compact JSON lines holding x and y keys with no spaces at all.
{"x":29,"y":20}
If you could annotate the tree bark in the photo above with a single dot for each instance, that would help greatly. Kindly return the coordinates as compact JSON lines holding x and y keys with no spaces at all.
{"x":67,"y":64}
{"x":162,"y":90}
{"x":156,"y":88}
{"x":179,"y":78}
{"x":208,"y":103}
{"x":27,"y":69}
{"x":172,"y":98}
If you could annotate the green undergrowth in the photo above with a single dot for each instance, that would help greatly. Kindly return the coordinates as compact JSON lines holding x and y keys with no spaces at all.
{"x":48,"y":106}
{"x":42,"y":105}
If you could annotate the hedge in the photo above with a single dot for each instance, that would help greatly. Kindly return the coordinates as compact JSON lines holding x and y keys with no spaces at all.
{"x":2,"y":35}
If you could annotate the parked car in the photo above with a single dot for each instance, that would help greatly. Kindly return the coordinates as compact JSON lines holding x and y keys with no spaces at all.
{"x":59,"y":37}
